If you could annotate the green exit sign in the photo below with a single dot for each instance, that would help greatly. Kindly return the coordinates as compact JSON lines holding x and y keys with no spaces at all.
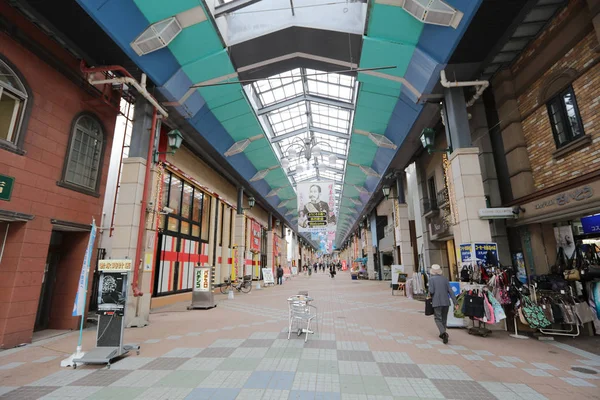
{"x":6,"y":186}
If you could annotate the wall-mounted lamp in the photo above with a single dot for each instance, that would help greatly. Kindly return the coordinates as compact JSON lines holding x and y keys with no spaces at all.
{"x":386,"y":189}
{"x":277,"y":222}
{"x":428,"y":142}
{"x":174,"y":140}
{"x":251,"y":203}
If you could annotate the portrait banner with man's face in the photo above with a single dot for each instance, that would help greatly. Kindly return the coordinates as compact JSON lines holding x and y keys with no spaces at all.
{"x":316,"y":201}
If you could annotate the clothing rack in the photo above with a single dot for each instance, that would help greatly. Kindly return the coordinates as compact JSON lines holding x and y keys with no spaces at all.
{"x":478,"y":330}
{"x":573,"y":331}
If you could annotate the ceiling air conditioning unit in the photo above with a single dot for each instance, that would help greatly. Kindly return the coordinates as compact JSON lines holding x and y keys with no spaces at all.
{"x":156,"y":36}
{"x":434,"y":12}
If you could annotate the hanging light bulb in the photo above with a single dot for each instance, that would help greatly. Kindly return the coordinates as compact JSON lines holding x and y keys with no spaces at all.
{"x":316,"y":150}
{"x":292,"y":153}
{"x":300,"y":168}
{"x":332,"y":159}
{"x":285,"y":163}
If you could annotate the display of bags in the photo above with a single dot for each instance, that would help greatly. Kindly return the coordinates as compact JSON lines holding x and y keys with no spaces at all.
{"x":557,"y":314}
{"x":428,"y":307}
{"x":569,"y":314}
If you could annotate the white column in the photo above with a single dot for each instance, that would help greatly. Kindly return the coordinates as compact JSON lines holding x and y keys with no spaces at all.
{"x":127,"y":216}
{"x":406,"y":251}
{"x":467,"y":195}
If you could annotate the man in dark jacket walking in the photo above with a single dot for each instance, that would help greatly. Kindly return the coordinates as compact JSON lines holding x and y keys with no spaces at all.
{"x":439,"y":290}
{"x":279,"y":275}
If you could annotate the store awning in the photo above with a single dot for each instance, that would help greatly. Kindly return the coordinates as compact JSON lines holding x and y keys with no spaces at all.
{"x":12,"y":216}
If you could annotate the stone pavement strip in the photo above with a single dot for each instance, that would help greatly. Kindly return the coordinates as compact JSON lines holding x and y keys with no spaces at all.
{"x":368,"y":345}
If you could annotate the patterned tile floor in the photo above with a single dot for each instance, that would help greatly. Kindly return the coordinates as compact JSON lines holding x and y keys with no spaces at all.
{"x":368,"y":346}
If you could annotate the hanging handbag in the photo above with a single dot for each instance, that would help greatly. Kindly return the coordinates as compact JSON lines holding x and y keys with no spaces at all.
{"x":590,"y":268}
{"x":460,"y":301}
{"x":561,"y":263}
{"x":572,"y":275}
{"x":584,"y":313}
{"x":428,"y":307}
{"x":522,"y":317}
{"x":533,"y":313}
{"x":557,"y":313}
{"x":568,"y":314}
{"x":473,"y":306}
{"x":547,"y":310}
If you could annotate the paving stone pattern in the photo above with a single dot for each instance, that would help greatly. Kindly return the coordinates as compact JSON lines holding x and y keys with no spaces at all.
{"x":367,"y":346}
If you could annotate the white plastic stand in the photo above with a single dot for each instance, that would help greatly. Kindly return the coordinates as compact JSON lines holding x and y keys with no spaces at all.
{"x":230,"y":295}
{"x":516,"y":334}
{"x":258,"y":285}
{"x":68,"y":362}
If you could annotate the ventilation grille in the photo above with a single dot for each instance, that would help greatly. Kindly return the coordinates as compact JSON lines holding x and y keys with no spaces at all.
{"x":355,"y":202}
{"x":156,"y":36}
{"x":434,"y":12}
{"x":283,"y":204}
{"x":382,"y":141}
{"x":259,"y":175}
{"x":237,"y":147}
{"x":369,"y":171}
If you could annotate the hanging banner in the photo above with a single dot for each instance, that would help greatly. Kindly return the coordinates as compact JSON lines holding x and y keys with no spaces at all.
{"x":316,"y":202}
{"x":255,"y":238}
{"x":564,"y":239}
{"x":78,"y":306}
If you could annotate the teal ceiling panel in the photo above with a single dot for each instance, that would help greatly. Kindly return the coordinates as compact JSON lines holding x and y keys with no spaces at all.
{"x":195,"y":42}
{"x":376,"y":100}
{"x":215,"y":98}
{"x":374,"y":115}
{"x":263,"y":159}
{"x":231,"y":110}
{"x":394,"y":24}
{"x":242,"y":127}
{"x":354,"y":176}
{"x":276,"y":177}
{"x":363,"y":122}
{"x":286,"y":193}
{"x":211,"y":67}
{"x":156,"y":10}
{"x":362,"y":150}
{"x":381,"y":53}
{"x":388,"y":86}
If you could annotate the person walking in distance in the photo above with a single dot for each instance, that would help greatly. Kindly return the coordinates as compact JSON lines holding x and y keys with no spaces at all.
{"x":279,"y":275}
{"x":439,"y":290}
{"x":332,"y":270}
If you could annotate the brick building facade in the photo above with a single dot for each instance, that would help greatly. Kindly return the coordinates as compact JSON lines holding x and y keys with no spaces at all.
{"x":53,"y":144}
{"x":547,"y":104}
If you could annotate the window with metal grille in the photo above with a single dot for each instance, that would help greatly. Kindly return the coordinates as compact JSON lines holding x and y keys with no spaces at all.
{"x":564,"y":117}
{"x":85,"y":153}
{"x":13,"y":100}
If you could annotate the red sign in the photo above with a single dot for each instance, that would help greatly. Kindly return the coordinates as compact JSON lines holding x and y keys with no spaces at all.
{"x":255,"y":236}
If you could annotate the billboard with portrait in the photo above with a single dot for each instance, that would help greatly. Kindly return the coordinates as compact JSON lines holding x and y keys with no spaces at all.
{"x":316,"y":202}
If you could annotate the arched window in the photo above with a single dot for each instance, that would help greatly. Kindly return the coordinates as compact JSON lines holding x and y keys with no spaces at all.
{"x":13,"y":103}
{"x":84,"y":159}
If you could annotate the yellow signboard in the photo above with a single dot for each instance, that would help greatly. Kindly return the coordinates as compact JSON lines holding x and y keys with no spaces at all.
{"x":114,"y":265}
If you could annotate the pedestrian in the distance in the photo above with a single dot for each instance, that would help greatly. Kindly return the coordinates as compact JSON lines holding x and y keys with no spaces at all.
{"x":332,"y":270}
{"x":440,"y":291}
{"x":279,"y":275}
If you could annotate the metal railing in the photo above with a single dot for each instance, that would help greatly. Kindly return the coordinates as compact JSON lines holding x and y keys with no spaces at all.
{"x":429,"y":205}
{"x":443,"y":197}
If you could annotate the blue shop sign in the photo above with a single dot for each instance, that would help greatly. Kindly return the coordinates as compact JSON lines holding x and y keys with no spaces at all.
{"x":465,"y":252}
{"x":591,"y":224}
{"x":481,"y":250}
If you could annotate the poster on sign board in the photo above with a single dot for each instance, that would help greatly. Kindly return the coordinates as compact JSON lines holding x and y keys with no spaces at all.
{"x":202,"y":280}
{"x":396,"y":270}
{"x":255,"y":237}
{"x":315,"y":206}
{"x":481,"y":252}
{"x":268,"y":275}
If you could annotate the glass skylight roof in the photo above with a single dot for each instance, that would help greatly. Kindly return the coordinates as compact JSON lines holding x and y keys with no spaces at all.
{"x":302,"y":104}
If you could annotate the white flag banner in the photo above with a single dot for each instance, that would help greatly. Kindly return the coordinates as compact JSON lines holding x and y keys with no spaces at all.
{"x":78,"y":307}
{"x":316,"y":201}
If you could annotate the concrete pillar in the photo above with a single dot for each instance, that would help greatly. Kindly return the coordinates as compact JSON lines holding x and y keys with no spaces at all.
{"x":125,"y":236}
{"x":406,"y":250}
{"x":270,"y":249}
{"x":482,"y":140}
{"x":457,"y":120}
{"x":239,"y":246}
{"x":515,"y":147}
{"x":468,"y":197}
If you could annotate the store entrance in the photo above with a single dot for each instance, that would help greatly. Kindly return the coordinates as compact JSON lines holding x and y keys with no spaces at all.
{"x":42,"y":318}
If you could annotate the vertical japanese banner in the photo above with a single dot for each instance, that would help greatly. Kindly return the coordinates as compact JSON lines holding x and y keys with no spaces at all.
{"x":316,"y":206}
{"x":80,"y":297}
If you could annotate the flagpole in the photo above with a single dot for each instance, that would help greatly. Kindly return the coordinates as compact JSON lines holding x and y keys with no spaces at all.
{"x":67,"y":362}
